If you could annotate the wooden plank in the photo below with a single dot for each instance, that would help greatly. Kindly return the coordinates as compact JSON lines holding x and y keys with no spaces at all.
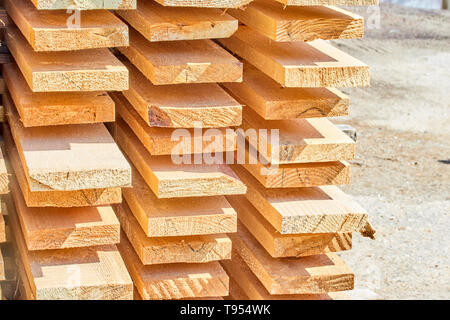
{"x":4,"y":177}
{"x":281,"y":23}
{"x":298,"y":64}
{"x":163,"y":141}
{"x":56,"y":108}
{"x":71,"y":157}
{"x":329,"y":2}
{"x":84,"y":5}
{"x":167,"y":250}
{"x":297,"y":175}
{"x":297,"y":140}
{"x":317,"y":274}
{"x":158,"y":23}
{"x":174,"y":62}
{"x":5,"y":20}
{"x":77,"y":198}
{"x":167,"y":179}
{"x":182,"y":105}
{"x":280,"y":245}
{"x":2,"y":228}
{"x":178,"y":217}
{"x":53,"y":30}
{"x":274,"y":102}
{"x":174,"y":281}
{"x":61,"y":228}
{"x":244,"y":282}
{"x":84,"y":70}
{"x":91,"y":273}
{"x":305,"y":210}
{"x":204,"y":3}
{"x":2,"y":266}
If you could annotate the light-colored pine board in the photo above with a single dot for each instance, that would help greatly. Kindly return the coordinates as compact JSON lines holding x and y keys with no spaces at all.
{"x":296,"y":175}
{"x":163,"y":141}
{"x":182,"y":105}
{"x":61,"y":228}
{"x":174,"y":281}
{"x":91,"y":273}
{"x":305,"y":210}
{"x":279,"y":245}
{"x":71,"y":157}
{"x":329,"y":2}
{"x":204,"y":3}
{"x":167,"y":250}
{"x":281,"y":23}
{"x":167,"y":179}
{"x":297,"y":140}
{"x":175,"y":62}
{"x":2,"y":265}
{"x":56,"y":108}
{"x":64,"y":199}
{"x":298,"y":64}
{"x":53,"y":30}
{"x":83,"y":70}
{"x":84,"y":5}
{"x":244,"y":283}
{"x":317,"y":274}
{"x":178,"y":217}
{"x":274,"y":102}
{"x":4,"y":178}
{"x":158,"y":23}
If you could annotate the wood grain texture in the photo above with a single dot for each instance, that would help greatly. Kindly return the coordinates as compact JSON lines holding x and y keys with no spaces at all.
{"x":174,"y":281}
{"x":204,"y":3}
{"x":61,"y":228}
{"x":317,"y":274}
{"x":170,"y":180}
{"x":2,"y":227}
{"x":297,"y":140}
{"x":158,"y":23}
{"x":181,"y":105}
{"x":274,"y":102}
{"x":305,"y":210}
{"x":244,"y":283}
{"x":84,"y":4}
{"x":279,"y":245}
{"x":91,"y":273}
{"x":175,"y":62}
{"x":83,"y":70}
{"x":281,"y":23}
{"x":4,"y":177}
{"x":163,"y":141}
{"x":178,"y":217}
{"x":71,"y":157}
{"x":166,"y":250}
{"x":298,"y":64}
{"x":329,"y":2}
{"x":55,"y":108}
{"x":64,"y":199}
{"x":2,"y":265}
{"x":53,"y":30}
{"x":296,"y":175}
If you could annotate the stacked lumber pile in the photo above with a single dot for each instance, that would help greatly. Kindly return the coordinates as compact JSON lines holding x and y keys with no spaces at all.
{"x":294,"y":218}
{"x":7,"y":255}
{"x":68,"y":171}
{"x":175,"y":217}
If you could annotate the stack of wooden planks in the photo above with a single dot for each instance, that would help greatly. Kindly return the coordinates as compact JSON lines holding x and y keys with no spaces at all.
{"x":7,"y":255}
{"x":293,"y":218}
{"x":68,"y":171}
{"x":174,"y":116}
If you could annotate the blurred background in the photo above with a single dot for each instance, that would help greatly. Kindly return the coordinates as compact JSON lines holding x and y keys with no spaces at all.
{"x":402,"y":171}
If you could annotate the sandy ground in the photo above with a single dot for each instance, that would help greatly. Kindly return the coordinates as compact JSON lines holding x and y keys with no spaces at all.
{"x":402,"y":172}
